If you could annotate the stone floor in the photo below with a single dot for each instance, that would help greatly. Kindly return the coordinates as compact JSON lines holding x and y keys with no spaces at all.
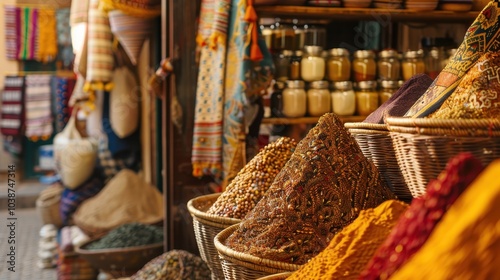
{"x":27,"y":227}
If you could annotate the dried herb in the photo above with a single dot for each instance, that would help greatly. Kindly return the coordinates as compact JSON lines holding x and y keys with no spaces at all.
{"x":129,"y":235}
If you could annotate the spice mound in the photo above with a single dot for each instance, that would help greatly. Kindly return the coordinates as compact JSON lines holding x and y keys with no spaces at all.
{"x":253,"y":180}
{"x":478,"y":94}
{"x":320,"y":190}
{"x":174,"y":265}
{"x":129,"y":235}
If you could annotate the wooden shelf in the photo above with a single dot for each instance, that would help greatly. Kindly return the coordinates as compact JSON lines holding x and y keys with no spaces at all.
{"x":307,"y":120}
{"x":355,"y":14}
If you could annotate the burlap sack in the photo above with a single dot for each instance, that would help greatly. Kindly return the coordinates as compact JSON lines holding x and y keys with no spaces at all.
{"x":126,"y":198}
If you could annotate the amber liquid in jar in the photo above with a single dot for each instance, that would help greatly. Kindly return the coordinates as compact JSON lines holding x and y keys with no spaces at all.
{"x":363,"y":66}
{"x":387,"y":89}
{"x":413,"y":64}
{"x":388,"y":65}
{"x":366,"y":98}
{"x":338,"y":65}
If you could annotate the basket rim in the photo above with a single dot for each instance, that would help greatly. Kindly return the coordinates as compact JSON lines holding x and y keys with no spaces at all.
{"x":491,"y":124}
{"x":367,"y":126}
{"x":224,"y":250}
{"x":209,"y":217}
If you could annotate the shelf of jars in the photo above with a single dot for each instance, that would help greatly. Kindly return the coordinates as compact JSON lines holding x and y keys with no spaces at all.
{"x":355,"y":14}
{"x":307,"y":120}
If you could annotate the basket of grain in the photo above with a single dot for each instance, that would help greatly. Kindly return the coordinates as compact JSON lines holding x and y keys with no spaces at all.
{"x":376,"y":144}
{"x":424,"y":146}
{"x":237,"y":265}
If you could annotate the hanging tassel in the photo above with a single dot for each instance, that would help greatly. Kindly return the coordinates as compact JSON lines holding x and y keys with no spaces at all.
{"x":251,"y":18}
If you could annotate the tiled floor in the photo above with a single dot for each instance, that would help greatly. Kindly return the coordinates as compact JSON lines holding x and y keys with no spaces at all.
{"x":27,"y":227}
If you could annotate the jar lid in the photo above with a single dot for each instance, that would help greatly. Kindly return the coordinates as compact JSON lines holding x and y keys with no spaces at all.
{"x":344,"y":85}
{"x":313,"y":50}
{"x":298,"y":53}
{"x":364,"y":54}
{"x":319,"y":84}
{"x":338,"y":52}
{"x":286,"y":53}
{"x":295,"y":84}
{"x":367,"y":84}
{"x":389,"y":84}
{"x":279,"y":85}
{"x":414,"y":54}
{"x":388,"y":54}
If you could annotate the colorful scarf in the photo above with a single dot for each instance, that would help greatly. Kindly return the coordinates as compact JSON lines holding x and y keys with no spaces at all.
{"x":482,"y":36}
{"x":419,"y":221}
{"x":38,"y":107}
{"x":63,"y":90}
{"x":12,"y":116}
{"x":28,"y":34}
{"x":465,"y":244}
{"x":12,"y":31}
{"x":46,"y":35}
{"x":65,"y":53}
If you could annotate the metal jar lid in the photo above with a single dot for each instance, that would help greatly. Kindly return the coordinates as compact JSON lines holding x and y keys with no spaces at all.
{"x":414,"y":54}
{"x":367,"y":85}
{"x":298,"y":53}
{"x":319,"y":84}
{"x":364,"y":54}
{"x":388,"y":54}
{"x":313,"y":50}
{"x":389,"y":84}
{"x":344,"y":85}
{"x":338,"y":52}
{"x":295,"y":84}
{"x":286,"y":53}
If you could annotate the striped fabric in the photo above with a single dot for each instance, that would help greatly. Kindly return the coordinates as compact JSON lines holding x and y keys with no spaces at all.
{"x":12,"y":106}
{"x":12,"y":31}
{"x":38,"y":107}
{"x":130,"y":31}
{"x":206,"y":20}
{"x":79,"y":12}
{"x":100,"y":45}
{"x":28,"y":34}
{"x":136,"y":8}
{"x":63,"y":90}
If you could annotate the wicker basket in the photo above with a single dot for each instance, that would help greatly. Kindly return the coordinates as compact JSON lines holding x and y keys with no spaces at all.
{"x":376,"y":144}
{"x":47,"y":205}
{"x":237,"y":265}
{"x":206,"y":227}
{"x":424,"y":146}
{"x":277,"y":276}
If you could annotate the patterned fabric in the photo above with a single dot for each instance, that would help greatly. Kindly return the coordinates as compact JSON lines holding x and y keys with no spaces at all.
{"x":28,"y":34}
{"x":137,"y":8}
{"x":206,"y":21}
{"x":482,"y":36}
{"x":64,"y":89}
{"x":465,"y":244}
{"x":424,"y":213}
{"x":12,"y":16}
{"x":70,"y":266}
{"x":12,"y":114}
{"x":64,"y":38}
{"x":110,"y":165}
{"x":130,"y":31}
{"x":79,"y":12}
{"x":71,"y":199}
{"x":38,"y":107}
{"x":46,"y":35}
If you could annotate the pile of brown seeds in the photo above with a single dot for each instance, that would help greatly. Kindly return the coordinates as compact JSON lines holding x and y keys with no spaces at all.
{"x":253,"y":180}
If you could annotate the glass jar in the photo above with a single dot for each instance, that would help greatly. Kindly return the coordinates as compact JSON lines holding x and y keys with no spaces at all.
{"x":434,"y":62}
{"x":387,"y":89}
{"x":294,"y":99}
{"x":312,"y":65}
{"x":343,"y":99}
{"x":299,"y":41}
{"x":276,"y":103}
{"x":314,"y":35}
{"x":363,"y":65}
{"x":366,"y":97}
{"x":267,"y":29}
{"x":318,"y":99}
{"x":283,"y":36}
{"x":413,"y":63}
{"x":282,"y":64}
{"x":388,"y":64}
{"x":338,"y":65}
{"x":294,"y":70}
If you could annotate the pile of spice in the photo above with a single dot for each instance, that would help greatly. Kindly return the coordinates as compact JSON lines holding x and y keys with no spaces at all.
{"x":253,"y":180}
{"x":320,"y":190}
{"x":174,"y":265}
{"x":129,"y":235}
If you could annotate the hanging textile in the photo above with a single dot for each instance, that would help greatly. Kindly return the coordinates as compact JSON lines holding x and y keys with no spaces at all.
{"x":65,"y":53}
{"x":207,"y":136}
{"x":78,"y":20}
{"x":12,"y":16}
{"x":248,"y":72}
{"x":38,"y":107}
{"x":63,"y":90}
{"x":136,"y":8}
{"x":11,"y":123}
{"x":27,"y":40}
{"x":46,"y":35}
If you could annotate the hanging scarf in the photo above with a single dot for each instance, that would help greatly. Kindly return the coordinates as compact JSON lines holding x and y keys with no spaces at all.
{"x":136,"y":8}
{"x":78,"y":20}
{"x":207,"y":136}
{"x":64,"y":89}
{"x":29,"y":27}
{"x":482,"y":36}
{"x":64,"y":37}
{"x":12,"y":16}
{"x":38,"y":107}
{"x":46,"y":35}
{"x":12,"y":117}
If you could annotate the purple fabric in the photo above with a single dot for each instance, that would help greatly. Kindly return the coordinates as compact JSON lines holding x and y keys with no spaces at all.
{"x":402,"y":100}
{"x":34,"y":31}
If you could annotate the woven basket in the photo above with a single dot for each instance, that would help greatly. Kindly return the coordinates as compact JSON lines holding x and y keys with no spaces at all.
{"x":277,"y":276}
{"x":424,"y":146}
{"x":206,"y":227}
{"x":47,"y":205}
{"x":237,"y":265}
{"x":376,"y":144}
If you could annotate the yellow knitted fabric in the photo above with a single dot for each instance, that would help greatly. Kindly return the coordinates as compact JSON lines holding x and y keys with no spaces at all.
{"x":136,"y":11}
{"x":466,"y":243}
{"x":350,"y":250}
{"x":47,"y":35}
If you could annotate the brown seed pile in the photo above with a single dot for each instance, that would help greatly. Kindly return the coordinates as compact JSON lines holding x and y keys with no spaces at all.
{"x":253,"y":180}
